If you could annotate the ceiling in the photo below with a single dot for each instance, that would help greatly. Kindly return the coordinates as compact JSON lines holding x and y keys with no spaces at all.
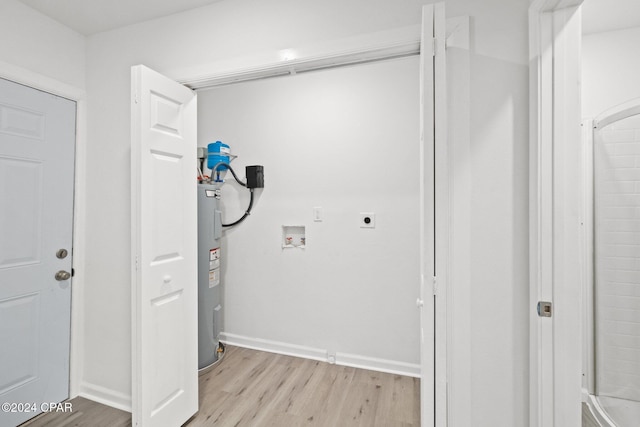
{"x":608,"y":15}
{"x":93,"y":16}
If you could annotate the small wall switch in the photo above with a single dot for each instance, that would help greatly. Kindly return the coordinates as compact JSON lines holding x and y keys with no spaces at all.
{"x":317,"y":214}
{"x":367,"y":220}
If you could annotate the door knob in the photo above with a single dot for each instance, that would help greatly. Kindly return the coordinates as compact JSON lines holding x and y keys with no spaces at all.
{"x":62,"y":275}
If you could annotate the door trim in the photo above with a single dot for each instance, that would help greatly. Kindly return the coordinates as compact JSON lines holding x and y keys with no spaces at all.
{"x":555,"y":345}
{"x":434,"y":215}
{"x":58,"y":88}
{"x":442,"y":214}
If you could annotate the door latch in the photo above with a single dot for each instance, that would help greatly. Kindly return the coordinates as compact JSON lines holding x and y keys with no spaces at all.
{"x":545,"y":308}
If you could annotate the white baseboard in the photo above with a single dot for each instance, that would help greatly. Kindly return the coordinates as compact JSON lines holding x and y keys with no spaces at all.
{"x":105,"y":396}
{"x":274,"y":347}
{"x":380,"y":365}
{"x":343,"y":359}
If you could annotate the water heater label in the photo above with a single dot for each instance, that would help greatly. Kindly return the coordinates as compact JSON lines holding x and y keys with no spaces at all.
{"x":214,"y":278}
{"x":214,"y":254}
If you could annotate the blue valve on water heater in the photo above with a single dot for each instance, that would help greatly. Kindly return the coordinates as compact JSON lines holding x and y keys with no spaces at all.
{"x":218,"y":157}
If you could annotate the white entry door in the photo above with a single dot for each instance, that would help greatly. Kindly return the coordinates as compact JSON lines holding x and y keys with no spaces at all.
{"x":37,"y":144}
{"x":164,"y":250}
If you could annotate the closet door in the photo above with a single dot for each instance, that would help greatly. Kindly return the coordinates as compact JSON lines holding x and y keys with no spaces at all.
{"x":164,"y":250}
{"x":433,"y":216}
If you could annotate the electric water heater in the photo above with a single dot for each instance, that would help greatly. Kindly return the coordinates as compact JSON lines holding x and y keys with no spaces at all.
{"x":210,"y":254}
{"x":209,"y":278}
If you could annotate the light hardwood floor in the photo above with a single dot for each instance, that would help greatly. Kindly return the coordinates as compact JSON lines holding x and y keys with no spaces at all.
{"x":254,"y":388}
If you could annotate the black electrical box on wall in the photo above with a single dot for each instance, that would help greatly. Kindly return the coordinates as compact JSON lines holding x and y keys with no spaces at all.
{"x":255,"y":176}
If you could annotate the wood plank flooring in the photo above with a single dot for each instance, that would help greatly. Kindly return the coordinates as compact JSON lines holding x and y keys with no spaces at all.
{"x":85,"y":413}
{"x":254,"y":388}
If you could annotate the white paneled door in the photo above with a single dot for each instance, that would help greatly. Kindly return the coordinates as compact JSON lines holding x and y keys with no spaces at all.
{"x":164,"y":250}
{"x":37,"y":143}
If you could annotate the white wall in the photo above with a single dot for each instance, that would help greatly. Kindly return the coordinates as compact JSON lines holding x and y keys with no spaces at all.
{"x":489,"y":321}
{"x":35,"y":42}
{"x":610,"y":70}
{"x":490,"y":307}
{"x":346,"y":140}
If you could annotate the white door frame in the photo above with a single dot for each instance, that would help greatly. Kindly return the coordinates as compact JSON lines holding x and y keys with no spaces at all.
{"x":56,"y":87}
{"x":555,"y":342}
{"x":434,"y":217}
{"x":402,"y":42}
{"x":587,"y":253}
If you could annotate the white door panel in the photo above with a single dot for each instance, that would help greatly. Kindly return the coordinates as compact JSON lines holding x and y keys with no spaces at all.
{"x":21,"y":221}
{"x":164,"y":233}
{"x":37,"y":143}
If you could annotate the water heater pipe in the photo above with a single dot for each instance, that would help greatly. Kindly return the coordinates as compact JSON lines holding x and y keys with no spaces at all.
{"x":248,"y":211}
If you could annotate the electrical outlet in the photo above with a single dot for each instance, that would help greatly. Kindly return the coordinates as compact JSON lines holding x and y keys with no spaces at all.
{"x":367,"y":220}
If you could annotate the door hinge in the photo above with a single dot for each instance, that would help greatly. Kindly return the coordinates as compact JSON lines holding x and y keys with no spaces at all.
{"x":434,"y":44}
{"x":435,"y":286}
{"x":545,"y":308}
